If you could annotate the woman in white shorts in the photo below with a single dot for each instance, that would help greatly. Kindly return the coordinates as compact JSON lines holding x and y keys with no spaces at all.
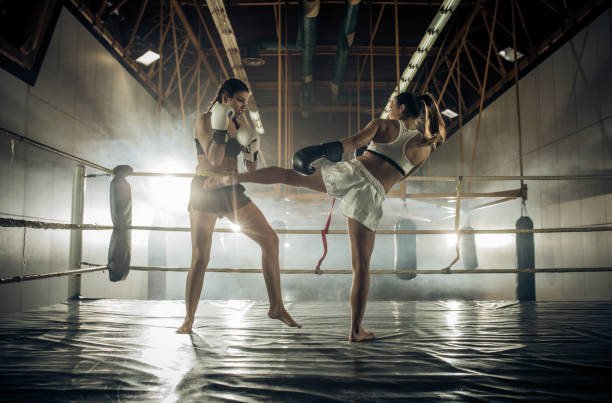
{"x":396,"y":147}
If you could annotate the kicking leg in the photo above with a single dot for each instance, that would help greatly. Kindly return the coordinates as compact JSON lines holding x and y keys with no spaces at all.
{"x":271,"y":175}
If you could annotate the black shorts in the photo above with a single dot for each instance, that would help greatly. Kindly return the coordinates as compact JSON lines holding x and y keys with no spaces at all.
{"x":221,"y":201}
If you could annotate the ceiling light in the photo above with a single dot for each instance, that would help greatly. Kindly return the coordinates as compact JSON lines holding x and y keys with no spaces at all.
{"x":509,"y":53}
{"x":435,"y":27}
{"x":449,"y":113}
{"x":253,"y":61}
{"x":148,"y":57}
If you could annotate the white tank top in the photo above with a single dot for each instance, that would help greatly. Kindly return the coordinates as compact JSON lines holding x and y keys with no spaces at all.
{"x":393,"y":152}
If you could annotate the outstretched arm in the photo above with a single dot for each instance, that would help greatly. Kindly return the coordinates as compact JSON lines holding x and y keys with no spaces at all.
{"x":363,"y":137}
{"x":304,"y":158}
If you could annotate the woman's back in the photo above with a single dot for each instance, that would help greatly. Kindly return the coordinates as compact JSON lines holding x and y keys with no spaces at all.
{"x":415,"y":150}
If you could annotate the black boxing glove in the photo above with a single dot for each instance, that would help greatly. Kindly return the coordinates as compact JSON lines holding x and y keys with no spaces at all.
{"x":303,"y":159}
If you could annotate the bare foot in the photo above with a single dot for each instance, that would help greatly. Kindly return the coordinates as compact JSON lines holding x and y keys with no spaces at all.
{"x":213,"y":182}
{"x":361,"y":335}
{"x":185,"y":327}
{"x":282,"y":315}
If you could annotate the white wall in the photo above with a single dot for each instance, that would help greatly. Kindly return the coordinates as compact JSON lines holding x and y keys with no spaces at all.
{"x":566,"y":122}
{"x":84,"y":103}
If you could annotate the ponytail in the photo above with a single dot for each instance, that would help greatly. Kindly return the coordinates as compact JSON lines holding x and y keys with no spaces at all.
{"x":424,"y":110}
{"x":434,"y":126}
{"x":218,"y":98}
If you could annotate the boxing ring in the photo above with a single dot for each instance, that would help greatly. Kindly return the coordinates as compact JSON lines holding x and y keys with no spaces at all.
{"x":106,"y":349}
{"x":426,"y":351}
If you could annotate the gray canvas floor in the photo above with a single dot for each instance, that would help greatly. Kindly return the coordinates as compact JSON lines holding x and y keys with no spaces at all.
{"x":117,"y":350}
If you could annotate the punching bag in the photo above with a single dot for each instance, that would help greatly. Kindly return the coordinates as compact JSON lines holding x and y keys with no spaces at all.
{"x":468,"y":250}
{"x":525,"y":259}
{"x":157,"y":257}
{"x":405,"y":248}
{"x":119,"y":249}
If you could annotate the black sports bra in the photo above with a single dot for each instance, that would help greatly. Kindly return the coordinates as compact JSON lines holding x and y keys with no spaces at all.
{"x":232,"y":147}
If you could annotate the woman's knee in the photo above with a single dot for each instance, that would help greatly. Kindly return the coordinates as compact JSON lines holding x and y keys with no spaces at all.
{"x":361,"y":265}
{"x":269,"y":240}
{"x":199,"y":259}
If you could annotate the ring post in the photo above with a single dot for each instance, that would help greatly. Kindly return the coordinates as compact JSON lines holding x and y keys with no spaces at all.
{"x":76,"y":235}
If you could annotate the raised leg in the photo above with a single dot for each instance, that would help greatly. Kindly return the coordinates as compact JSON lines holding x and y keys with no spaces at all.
{"x":271,"y":175}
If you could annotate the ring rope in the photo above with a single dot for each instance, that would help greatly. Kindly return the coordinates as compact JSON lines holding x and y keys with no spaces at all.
{"x":434,"y":178}
{"x":504,"y":178}
{"x":10,"y":222}
{"x":17,"y":279}
{"x":28,"y":277}
{"x":383,"y":271}
{"x":410,"y":179}
{"x":54,"y":150}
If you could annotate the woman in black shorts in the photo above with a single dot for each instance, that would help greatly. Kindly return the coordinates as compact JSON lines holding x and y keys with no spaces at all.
{"x":218,"y":137}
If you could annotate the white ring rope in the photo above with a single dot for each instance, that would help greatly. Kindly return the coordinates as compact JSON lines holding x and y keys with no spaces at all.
{"x":7,"y":222}
{"x":10,"y":222}
{"x":383,"y":271}
{"x":28,"y":277}
{"x":435,"y":178}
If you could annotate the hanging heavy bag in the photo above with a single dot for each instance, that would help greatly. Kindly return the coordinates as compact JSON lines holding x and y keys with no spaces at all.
{"x":119,"y":248}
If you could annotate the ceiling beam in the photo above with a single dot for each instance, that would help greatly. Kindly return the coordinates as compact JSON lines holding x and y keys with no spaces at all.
{"x":316,"y":109}
{"x":330,"y":50}
{"x":251,"y":3}
{"x":450,"y":47}
{"x":194,"y":39}
{"x":116,"y":8}
{"x":135,"y":29}
{"x":295,"y":84}
{"x":591,"y":7}
{"x":104,"y":35}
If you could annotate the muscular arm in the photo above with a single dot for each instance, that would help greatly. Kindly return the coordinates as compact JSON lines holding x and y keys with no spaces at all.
{"x":203,"y":132}
{"x":363,"y":137}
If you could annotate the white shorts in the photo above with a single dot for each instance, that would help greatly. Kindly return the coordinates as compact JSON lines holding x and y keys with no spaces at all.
{"x":361,"y":193}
